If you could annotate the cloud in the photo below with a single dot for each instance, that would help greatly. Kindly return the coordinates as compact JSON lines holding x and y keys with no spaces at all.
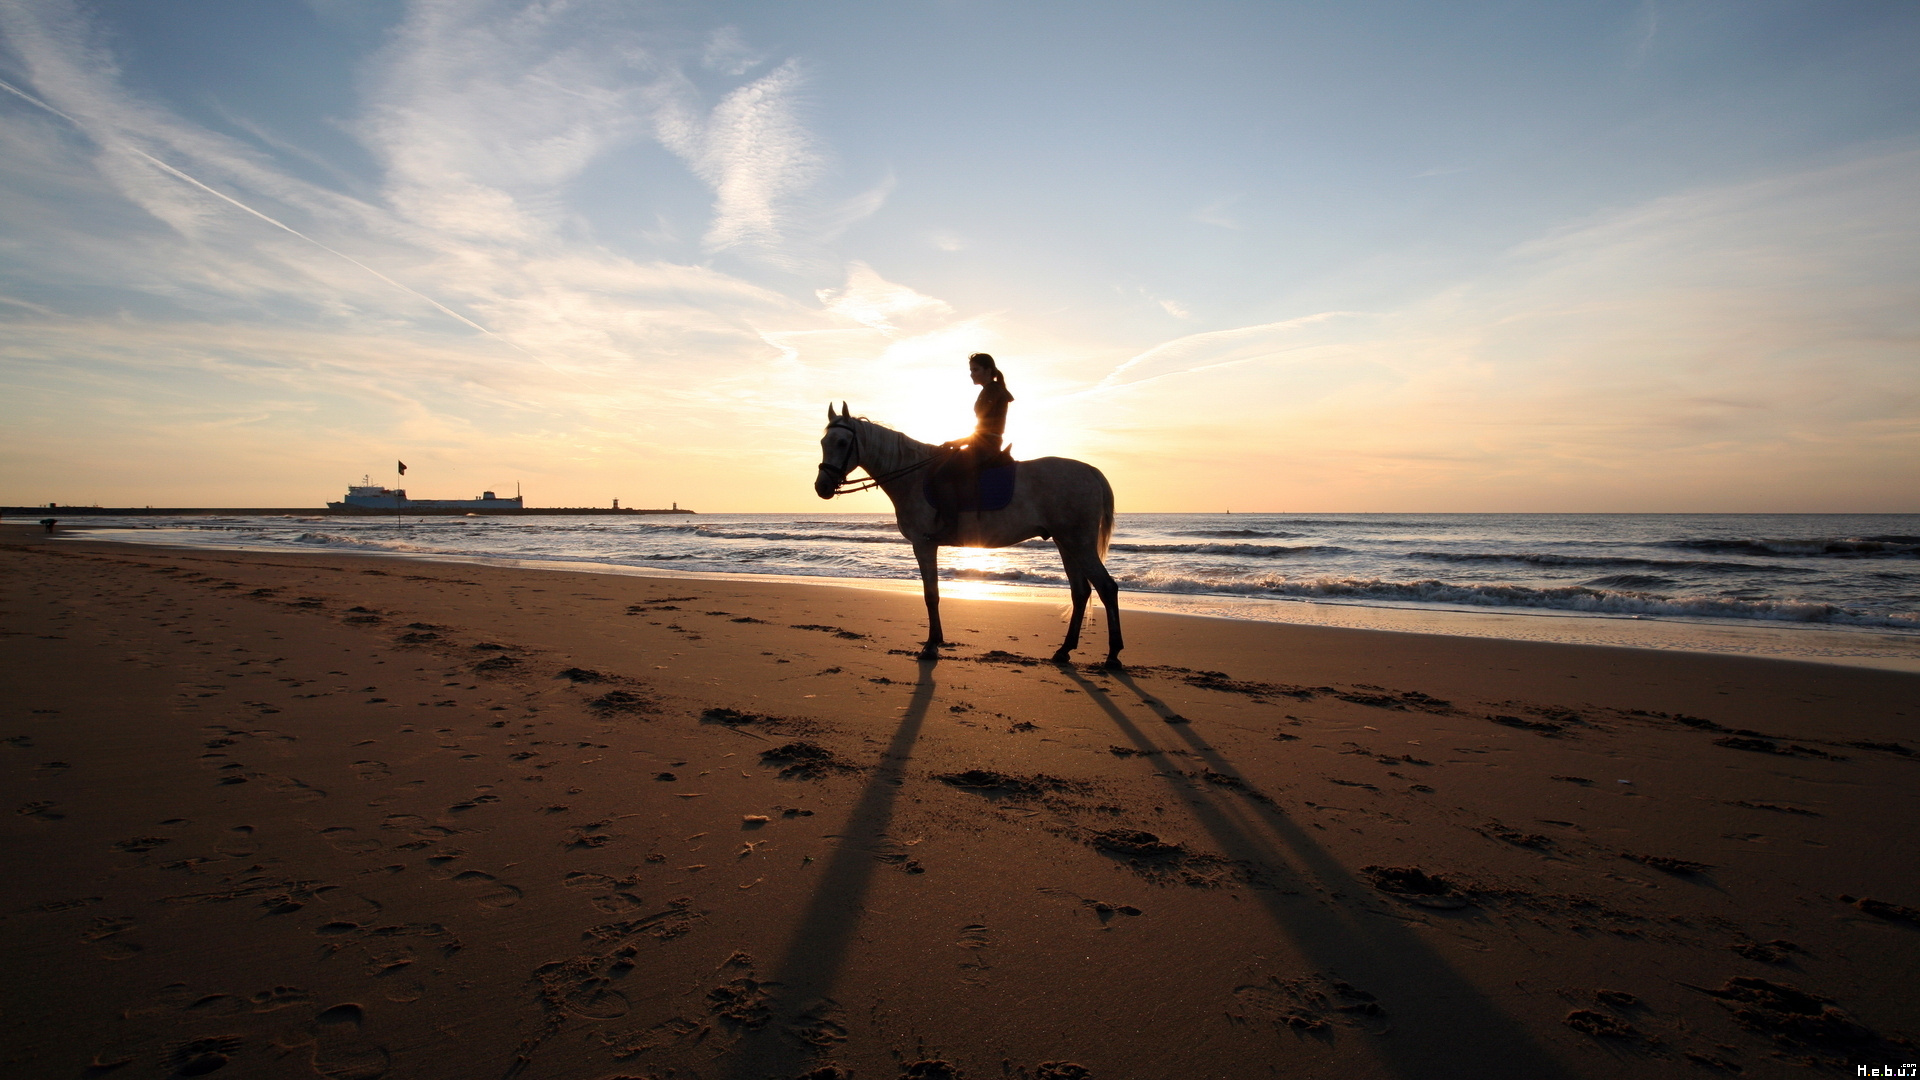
{"x":752,"y":150}
{"x":1218,"y":348}
{"x":727,"y":53}
{"x":873,"y":301}
{"x":424,"y":305}
{"x":1739,"y":347}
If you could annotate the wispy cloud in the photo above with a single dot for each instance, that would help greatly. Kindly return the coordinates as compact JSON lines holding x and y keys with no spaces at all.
{"x":1216,"y":348}
{"x":871,"y":300}
{"x":1705,"y":339}
{"x":752,"y":150}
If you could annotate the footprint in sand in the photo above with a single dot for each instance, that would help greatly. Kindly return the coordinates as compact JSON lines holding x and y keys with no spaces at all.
{"x":342,"y":838}
{"x":371,"y":770}
{"x":198,"y":1057}
{"x":490,"y":891}
{"x":595,"y":1001}
{"x":104,"y":936}
{"x":975,"y":938}
{"x":298,"y":790}
{"x":275,"y":998}
{"x":341,"y":1050}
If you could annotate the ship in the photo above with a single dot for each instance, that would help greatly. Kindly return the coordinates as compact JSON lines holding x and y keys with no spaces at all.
{"x":367,"y":495}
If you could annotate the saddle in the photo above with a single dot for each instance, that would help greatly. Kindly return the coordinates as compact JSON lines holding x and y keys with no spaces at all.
{"x":962,"y":482}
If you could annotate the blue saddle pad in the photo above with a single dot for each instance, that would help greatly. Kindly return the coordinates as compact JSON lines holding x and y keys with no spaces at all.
{"x":995,"y":490}
{"x":992,"y":489}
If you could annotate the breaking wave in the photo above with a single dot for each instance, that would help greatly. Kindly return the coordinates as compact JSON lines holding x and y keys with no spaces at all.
{"x":717,"y":533}
{"x":1593,"y":561}
{"x":1244,"y":551}
{"x":1572,"y":598}
{"x":1239,"y":534}
{"x":320,"y":539}
{"x":1896,"y":547}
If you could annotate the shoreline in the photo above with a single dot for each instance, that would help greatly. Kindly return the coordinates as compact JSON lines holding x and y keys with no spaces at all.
{"x":1863,"y":647}
{"x":294,"y":813}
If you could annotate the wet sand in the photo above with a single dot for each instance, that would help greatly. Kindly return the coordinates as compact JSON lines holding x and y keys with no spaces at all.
{"x":287,"y":815}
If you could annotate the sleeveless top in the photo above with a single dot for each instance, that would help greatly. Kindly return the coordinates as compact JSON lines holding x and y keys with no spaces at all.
{"x":990,"y":409}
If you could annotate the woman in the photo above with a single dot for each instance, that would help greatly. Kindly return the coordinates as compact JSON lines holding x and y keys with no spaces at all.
{"x":989,"y":409}
{"x":979,"y":451}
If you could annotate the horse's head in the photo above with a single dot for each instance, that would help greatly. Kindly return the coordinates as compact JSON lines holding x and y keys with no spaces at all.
{"x":839,"y":452}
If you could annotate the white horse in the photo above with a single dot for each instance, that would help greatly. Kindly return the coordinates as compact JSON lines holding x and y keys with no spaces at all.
{"x":1058,"y":499}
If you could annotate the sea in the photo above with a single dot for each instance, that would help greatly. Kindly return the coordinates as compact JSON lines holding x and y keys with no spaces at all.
{"x":1832,"y":588}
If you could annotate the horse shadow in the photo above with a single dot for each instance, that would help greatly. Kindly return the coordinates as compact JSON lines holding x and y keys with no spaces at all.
{"x":817,"y":950}
{"x":1443,"y":1027}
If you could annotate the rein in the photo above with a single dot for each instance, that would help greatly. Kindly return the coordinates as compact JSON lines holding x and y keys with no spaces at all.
{"x":848,"y":487}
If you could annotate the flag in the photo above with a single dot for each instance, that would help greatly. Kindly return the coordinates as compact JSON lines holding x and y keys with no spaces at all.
{"x":403,"y":468}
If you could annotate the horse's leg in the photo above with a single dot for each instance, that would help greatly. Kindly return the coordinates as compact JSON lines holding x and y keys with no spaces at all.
{"x":1109,"y":599}
{"x":928,"y":556}
{"x":1077,"y":585}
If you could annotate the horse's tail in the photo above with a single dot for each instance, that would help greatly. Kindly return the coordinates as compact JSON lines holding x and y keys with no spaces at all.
{"x":1106,"y":515}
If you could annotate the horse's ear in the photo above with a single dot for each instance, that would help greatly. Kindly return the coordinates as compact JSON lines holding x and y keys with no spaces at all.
{"x":843,"y":410}
{"x":830,"y":416}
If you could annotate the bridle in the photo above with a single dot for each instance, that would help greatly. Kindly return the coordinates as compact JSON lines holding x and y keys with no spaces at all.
{"x":848,"y":487}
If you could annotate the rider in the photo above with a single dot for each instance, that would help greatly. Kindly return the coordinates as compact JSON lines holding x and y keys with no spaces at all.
{"x":978,"y":451}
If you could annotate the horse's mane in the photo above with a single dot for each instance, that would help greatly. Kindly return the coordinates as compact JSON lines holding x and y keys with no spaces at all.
{"x":903,"y":443}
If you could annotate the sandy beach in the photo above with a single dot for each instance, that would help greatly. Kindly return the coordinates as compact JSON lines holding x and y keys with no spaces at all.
{"x":294,"y":815}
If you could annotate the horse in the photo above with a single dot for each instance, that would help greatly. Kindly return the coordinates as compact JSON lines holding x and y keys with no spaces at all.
{"x":1058,"y":499}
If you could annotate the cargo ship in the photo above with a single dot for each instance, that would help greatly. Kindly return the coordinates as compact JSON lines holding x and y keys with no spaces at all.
{"x":367,"y":495}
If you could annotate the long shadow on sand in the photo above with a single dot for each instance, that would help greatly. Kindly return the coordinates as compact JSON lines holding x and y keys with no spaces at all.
{"x":805,"y":974}
{"x":1443,"y":1026}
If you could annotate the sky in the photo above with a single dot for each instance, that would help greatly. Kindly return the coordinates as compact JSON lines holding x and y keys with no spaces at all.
{"x":1251,"y":256}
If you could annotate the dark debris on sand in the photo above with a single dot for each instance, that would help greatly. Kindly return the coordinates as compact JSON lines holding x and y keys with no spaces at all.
{"x":802,"y":760}
{"x":1416,"y":886}
{"x":1136,"y":843}
{"x":1678,"y":867}
{"x":1769,"y":746}
{"x":1883,"y":909}
{"x":1542,"y":727}
{"x":1789,"y":1015}
{"x":740,"y":1002}
{"x":989,"y":782}
{"x":1599,"y":1024}
{"x":1771,"y":952}
{"x":836,"y":631}
{"x":622,"y":701}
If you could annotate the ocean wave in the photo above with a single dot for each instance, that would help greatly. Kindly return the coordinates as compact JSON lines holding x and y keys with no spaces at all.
{"x":320,"y":539}
{"x":1244,"y":551}
{"x":717,"y":533}
{"x":716,"y":527}
{"x":1896,"y":547}
{"x":1631,"y":581}
{"x":1238,"y":534}
{"x":1572,"y":598}
{"x":1025,"y":577}
{"x":1533,"y":558}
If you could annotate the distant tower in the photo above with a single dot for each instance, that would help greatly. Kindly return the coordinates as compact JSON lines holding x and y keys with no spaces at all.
{"x":616,"y":504}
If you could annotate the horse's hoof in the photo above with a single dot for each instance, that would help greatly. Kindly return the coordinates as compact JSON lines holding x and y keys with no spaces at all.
{"x":1113,"y":663}
{"x":1064,"y":656}
{"x":930,"y":652}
